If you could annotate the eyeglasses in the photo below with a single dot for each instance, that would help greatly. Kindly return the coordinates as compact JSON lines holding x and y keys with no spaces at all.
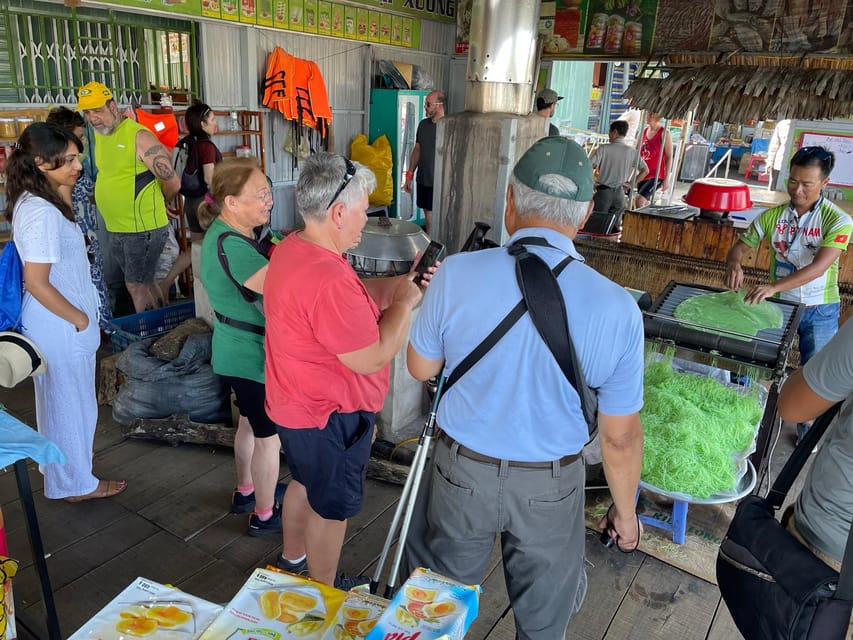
{"x":263,"y":196}
{"x":348,"y":176}
{"x":70,"y":159}
{"x":432,"y":104}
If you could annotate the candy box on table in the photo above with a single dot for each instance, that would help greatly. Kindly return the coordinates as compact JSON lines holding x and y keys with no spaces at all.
{"x":274,"y":606}
{"x":427,"y":607}
{"x":147,"y":609}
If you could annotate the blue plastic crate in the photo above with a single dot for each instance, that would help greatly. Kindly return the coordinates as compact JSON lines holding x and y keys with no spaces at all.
{"x":156,"y":322}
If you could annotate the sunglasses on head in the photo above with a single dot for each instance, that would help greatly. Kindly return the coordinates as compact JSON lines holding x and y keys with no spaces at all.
{"x":814,"y":152}
{"x":348,"y":176}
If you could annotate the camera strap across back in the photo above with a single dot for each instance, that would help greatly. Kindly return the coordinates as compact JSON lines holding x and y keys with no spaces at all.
{"x":248,"y":295}
{"x":540,"y":290}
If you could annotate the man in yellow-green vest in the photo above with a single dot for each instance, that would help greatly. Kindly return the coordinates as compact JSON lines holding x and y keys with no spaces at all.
{"x":135,"y":179}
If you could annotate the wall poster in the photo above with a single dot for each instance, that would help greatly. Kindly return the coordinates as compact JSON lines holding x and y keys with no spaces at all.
{"x":620,"y":28}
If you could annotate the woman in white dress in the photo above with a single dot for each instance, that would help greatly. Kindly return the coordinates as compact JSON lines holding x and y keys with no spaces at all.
{"x":60,"y":307}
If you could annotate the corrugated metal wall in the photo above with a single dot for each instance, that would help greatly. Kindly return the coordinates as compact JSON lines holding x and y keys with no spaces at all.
{"x":346,"y":68}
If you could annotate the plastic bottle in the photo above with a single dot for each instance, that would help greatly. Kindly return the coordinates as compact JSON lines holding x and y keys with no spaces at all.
{"x":233,"y":122}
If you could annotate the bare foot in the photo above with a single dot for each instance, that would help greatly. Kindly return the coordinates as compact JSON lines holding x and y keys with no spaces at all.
{"x":105,"y":489}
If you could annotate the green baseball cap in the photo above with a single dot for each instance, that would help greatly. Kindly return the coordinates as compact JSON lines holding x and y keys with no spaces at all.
{"x":556,"y":154}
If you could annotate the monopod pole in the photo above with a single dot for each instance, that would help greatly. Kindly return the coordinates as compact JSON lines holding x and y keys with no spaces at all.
{"x":406,"y":505}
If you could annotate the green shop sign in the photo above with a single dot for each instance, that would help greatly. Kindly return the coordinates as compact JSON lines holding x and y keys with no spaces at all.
{"x":440,"y":10}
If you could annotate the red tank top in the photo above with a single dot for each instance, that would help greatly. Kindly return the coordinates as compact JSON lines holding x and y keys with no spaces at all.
{"x":650,"y":151}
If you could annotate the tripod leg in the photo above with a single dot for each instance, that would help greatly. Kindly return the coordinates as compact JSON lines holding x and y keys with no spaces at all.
{"x":417,"y":472}
{"x":401,"y":506}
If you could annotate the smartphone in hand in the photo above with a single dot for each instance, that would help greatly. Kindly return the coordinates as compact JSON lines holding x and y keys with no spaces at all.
{"x":432,"y":254}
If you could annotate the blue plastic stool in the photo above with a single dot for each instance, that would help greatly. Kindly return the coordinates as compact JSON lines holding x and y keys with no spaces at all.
{"x":678,"y":527}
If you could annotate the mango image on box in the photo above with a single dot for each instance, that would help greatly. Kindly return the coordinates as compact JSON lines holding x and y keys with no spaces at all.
{"x":146,"y":609}
{"x":277,"y":606}
{"x":429,"y":606}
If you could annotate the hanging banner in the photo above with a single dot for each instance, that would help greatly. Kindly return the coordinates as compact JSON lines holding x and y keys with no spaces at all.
{"x":185,"y":7}
{"x":439,"y":10}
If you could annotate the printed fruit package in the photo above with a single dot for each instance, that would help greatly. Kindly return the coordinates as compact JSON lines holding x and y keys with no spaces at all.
{"x":273,"y":605}
{"x":427,"y":607}
{"x":147,"y":609}
{"x":357,"y":616}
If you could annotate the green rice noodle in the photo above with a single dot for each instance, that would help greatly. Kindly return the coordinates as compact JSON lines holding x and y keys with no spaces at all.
{"x":727,"y":310}
{"x":694,"y":427}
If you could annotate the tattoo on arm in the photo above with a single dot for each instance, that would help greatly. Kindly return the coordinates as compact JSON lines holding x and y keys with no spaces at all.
{"x":153,"y":150}
{"x":162,"y":166}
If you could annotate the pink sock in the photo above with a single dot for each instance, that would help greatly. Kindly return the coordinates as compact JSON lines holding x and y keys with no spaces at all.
{"x":246,"y":489}
{"x":264,"y":515}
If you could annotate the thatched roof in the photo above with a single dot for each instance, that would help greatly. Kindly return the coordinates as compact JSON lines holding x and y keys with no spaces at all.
{"x":729,"y":93}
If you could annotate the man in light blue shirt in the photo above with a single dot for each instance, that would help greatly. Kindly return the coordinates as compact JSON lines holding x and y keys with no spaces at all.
{"x":507,"y":459}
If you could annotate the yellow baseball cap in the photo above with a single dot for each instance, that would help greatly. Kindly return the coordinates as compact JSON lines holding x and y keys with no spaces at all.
{"x":93,"y":95}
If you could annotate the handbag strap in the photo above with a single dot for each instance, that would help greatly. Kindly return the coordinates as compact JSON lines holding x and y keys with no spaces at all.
{"x":801,"y":453}
{"x":248,"y":295}
{"x":539,"y":288}
{"x":789,"y":473}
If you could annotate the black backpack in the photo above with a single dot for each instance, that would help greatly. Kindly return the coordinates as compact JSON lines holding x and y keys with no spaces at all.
{"x":186,"y":164}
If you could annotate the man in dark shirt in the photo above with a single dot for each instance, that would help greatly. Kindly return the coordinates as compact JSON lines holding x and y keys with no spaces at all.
{"x":423,"y":155}
{"x":546,"y":104}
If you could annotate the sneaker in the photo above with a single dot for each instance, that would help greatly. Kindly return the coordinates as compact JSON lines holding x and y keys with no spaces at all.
{"x":345,"y":583}
{"x":241,"y":504}
{"x":299,"y":568}
{"x":258,"y":527}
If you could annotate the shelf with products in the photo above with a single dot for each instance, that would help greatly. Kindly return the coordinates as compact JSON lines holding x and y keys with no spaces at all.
{"x":250,"y":131}
{"x":14,"y":121}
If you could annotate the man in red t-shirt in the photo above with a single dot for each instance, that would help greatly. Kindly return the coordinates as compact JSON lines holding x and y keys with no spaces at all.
{"x":329,"y":341}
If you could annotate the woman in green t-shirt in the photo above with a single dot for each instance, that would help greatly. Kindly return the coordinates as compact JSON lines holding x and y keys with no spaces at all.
{"x":233,"y":271}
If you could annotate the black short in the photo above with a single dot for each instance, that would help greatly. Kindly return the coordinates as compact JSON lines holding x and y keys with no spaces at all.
{"x":645,"y":187}
{"x":251,"y":396}
{"x":424,"y":197}
{"x":331,"y":463}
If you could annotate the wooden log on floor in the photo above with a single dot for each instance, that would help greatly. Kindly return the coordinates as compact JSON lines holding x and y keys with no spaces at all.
{"x":179,"y":429}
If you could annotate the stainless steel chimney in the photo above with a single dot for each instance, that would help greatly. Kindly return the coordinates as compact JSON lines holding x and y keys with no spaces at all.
{"x":502,"y":56}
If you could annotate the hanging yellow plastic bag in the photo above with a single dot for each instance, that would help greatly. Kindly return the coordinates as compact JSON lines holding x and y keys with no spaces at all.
{"x":378,"y":157}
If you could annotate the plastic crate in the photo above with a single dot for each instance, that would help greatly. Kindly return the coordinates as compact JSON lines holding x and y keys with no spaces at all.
{"x":156,"y":322}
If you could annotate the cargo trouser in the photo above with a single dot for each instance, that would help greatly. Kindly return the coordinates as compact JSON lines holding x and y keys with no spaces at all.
{"x":538,"y":513}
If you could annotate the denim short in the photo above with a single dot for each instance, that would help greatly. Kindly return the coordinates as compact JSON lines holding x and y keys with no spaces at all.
{"x":331,"y":463}
{"x":137,"y":253}
{"x":251,"y":397}
{"x":817,"y":326}
{"x":645,"y":187}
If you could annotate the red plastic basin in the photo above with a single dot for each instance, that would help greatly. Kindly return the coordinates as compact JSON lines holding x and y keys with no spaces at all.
{"x":718,"y":194}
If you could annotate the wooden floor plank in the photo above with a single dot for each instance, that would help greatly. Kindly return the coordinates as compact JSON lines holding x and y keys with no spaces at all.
{"x":217,"y":582}
{"x":161,"y":470}
{"x":663,"y":602}
{"x":723,"y":627}
{"x":161,"y":557}
{"x":609,"y":575}
{"x":200,"y":502}
{"x":80,"y":558}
